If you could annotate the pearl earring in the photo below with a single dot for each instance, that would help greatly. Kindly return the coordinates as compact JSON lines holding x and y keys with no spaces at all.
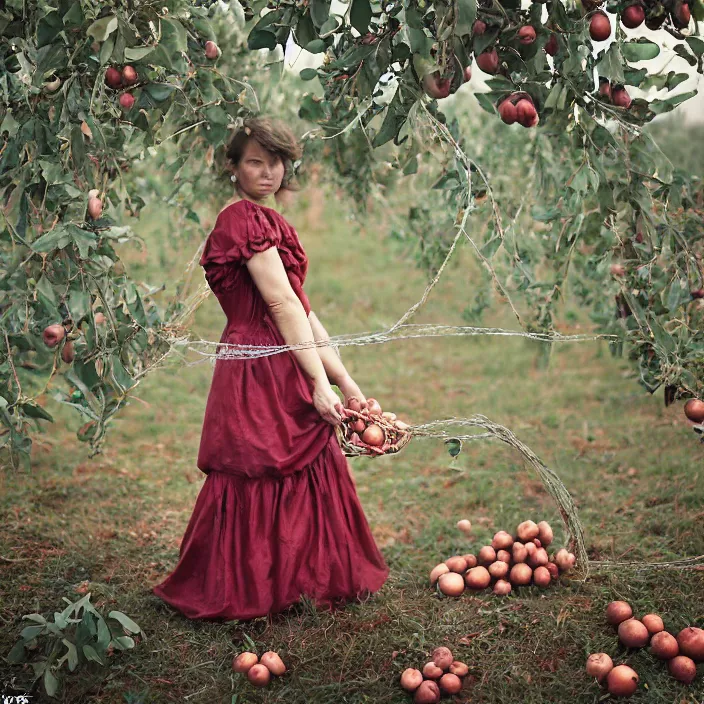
{"x":233,"y":178}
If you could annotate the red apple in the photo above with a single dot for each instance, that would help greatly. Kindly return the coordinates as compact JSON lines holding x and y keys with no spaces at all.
{"x":435,"y":86}
{"x":95,"y":208}
{"x":478,"y":28}
{"x":551,"y":47}
{"x":621,"y":98}
{"x":599,"y":27}
{"x":633,"y":16}
{"x":605,"y":89}
{"x":113,"y":78}
{"x":507,"y":112}
{"x":467,"y":74}
{"x":526,"y":35}
{"x":681,"y":15}
{"x":53,"y":334}
{"x":126,"y":101}
{"x":212,"y":51}
{"x":488,"y":61}
{"x":526,"y":113}
{"x":129,"y":75}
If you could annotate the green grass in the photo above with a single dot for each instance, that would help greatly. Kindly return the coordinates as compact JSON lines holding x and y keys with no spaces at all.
{"x":632,"y":466}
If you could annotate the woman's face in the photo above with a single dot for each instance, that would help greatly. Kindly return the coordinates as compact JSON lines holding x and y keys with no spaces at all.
{"x":260,"y":172}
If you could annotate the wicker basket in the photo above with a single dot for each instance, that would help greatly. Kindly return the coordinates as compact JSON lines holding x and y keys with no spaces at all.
{"x":395,"y":438}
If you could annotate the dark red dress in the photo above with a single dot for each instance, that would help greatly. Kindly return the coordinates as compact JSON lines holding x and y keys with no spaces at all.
{"x":278,"y":515}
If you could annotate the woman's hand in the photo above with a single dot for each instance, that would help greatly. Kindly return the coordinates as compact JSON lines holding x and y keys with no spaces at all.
{"x":349,"y":388}
{"x":327,"y":403}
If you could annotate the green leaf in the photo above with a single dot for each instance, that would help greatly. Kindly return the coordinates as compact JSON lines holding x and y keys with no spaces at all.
{"x":467,"y":14}
{"x":611,"y":64}
{"x":454,"y":446}
{"x":261,"y":40}
{"x":662,"y":106}
{"x":125,"y":621}
{"x":308,"y":74}
{"x":102,"y":28}
{"x":317,"y":46}
{"x":33,"y":410}
{"x":91,"y":654}
{"x":360,"y":15}
{"x":51,"y":684}
{"x":319,"y":12}
{"x":174,"y":36}
{"x":57,"y":238}
{"x":696,"y":45}
{"x":106,"y":50}
{"x":138,"y":52}
{"x":159,"y":91}
{"x":640,"y":50}
{"x":485,"y":102}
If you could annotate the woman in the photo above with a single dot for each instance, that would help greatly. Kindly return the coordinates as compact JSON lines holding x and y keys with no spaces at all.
{"x":278,"y":515}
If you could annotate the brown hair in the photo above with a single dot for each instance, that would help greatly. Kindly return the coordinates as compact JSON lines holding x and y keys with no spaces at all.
{"x":275,"y":137}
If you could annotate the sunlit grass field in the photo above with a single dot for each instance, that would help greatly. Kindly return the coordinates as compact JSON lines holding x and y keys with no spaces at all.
{"x":632,"y":466}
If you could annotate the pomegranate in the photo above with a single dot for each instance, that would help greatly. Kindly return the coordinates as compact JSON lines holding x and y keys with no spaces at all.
{"x":53,"y":334}
{"x":411,"y":679}
{"x":498,"y":569}
{"x":486,"y":556}
{"x":503,"y":556}
{"x":358,"y":426}
{"x":663,"y":645}
{"x":502,"y":588}
{"x":622,"y":681}
{"x":528,"y":529}
{"x":682,"y":668}
{"x":451,"y":584}
{"x":633,"y":16}
{"x":113,"y":78}
{"x":212,"y":50}
{"x":129,"y":75}
{"x":617,"y":612}
{"x":599,"y":665}
{"x":541,"y":576}
{"x":488,"y":61}
{"x":126,"y":101}
{"x":520,"y":574}
{"x":599,"y":27}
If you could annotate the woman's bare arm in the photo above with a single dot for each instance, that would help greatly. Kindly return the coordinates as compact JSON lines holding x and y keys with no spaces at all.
{"x":334,"y":367}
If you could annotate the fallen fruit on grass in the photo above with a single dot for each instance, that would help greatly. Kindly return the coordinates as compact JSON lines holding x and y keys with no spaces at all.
{"x":527,"y":531}
{"x":244,"y":661}
{"x":503,"y":556}
{"x":427,"y":693}
{"x":622,"y":681}
{"x":599,"y":27}
{"x":373,"y":435}
{"x":502,"y":541}
{"x":520,"y":574}
{"x":53,"y":334}
{"x":477,"y":578}
{"x":411,"y":679}
{"x":451,"y":584}
{"x":465,"y":526}
{"x":498,"y":569}
{"x":442,"y":657}
{"x":541,"y":576}
{"x":653,"y":623}
{"x":545,"y":533}
{"x":456,"y":564}
{"x":273,"y":663}
{"x":486,"y":556}
{"x":599,"y":665}
{"x":553,"y":570}
{"x":633,"y":634}
{"x":564,"y":560}
{"x":694,"y":410}
{"x":520,"y":553}
{"x":618,"y":611}
{"x":438,"y":571}
{"x":259,"y":675}
{"x":432,"y":671}
{"x":471,"y":560}
{"x":539,"y":558}
{"x":459,"y":668}
{"x":691,"y":642}
{"x":502,"y":588}
{"x":450,"y":684}
{"x":663,"y":645}
{"x":682,"y":668}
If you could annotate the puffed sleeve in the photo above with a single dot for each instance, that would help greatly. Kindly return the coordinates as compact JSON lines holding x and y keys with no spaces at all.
{"x":239,"y":233}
